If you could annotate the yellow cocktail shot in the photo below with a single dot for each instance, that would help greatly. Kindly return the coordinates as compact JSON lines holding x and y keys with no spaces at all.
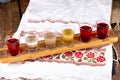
{"x":68,"y":35}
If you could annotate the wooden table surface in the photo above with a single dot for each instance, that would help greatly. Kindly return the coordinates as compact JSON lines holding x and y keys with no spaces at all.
{"x":11,"y":13}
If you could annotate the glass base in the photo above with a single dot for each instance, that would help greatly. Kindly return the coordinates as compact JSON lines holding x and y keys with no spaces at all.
{"x":32,"y":50}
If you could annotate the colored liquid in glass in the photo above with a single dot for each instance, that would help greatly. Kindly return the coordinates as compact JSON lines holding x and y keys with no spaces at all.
{"x":68,"y":36}
{"x":50,"y":40}
{"x":13,"y":46}
{"x":85,"y":33}
{"x":102,"y":30}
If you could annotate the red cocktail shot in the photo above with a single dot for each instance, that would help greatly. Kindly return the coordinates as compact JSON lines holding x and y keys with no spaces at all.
{"x":13,"y":46}
{"x":102,"y":30}
{"x":85,"y":33}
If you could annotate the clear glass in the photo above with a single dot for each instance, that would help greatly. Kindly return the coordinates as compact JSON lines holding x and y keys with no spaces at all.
{"x":32,"y":39}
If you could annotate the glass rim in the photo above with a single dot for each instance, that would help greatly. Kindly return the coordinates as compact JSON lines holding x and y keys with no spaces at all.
{"x":102,"y":20}
{"x":107,"y":25}
{"x":81,"y":28}
{"x":31,"y":33}
{"x":12,"y":36}
{"x":86,"y":24}
{"x":67,"y":26}
{"x":89,"y":24}
{"x":47,"y":30}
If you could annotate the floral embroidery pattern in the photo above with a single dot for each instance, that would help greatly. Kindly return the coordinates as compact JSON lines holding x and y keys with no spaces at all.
{"x":90,"y":55}
{"x":100,"y":59}
{"x":78,"y":54}
{"x":86,"y":56}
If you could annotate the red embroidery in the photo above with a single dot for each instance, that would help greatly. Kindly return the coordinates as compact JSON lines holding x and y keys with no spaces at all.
{"x":78,"y":54}
{"x":101,"y":59}
{"x":68,"y":54}
{"x":90,"y":55}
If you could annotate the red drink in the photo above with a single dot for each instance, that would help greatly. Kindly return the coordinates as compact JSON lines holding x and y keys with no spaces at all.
{"x":85,"y":33}
{"x":13,"y":46}
{"x":102,"y":29}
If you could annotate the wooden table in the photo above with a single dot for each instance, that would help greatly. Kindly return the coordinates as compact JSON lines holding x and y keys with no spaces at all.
{"x":9,"y":17}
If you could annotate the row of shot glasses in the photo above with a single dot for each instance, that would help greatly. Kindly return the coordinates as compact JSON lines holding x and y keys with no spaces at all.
{"x":68,"y":32}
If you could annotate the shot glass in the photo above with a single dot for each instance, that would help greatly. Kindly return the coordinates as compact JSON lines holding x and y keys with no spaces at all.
{"x":13,"y":45}
{"x":32,"y":39}
{"x":102,"y":29}
{"x":85,"y":32}
{"x":50,"y":38}
{"x":68,"y":34}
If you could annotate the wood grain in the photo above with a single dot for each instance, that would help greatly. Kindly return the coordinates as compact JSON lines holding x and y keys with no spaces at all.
{"x":23,"y":5}
{"x":9,"y":17}
{"x":115,"y":16}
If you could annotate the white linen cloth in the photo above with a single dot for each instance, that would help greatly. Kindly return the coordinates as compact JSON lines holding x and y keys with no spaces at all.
{"x":68,"y":10}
